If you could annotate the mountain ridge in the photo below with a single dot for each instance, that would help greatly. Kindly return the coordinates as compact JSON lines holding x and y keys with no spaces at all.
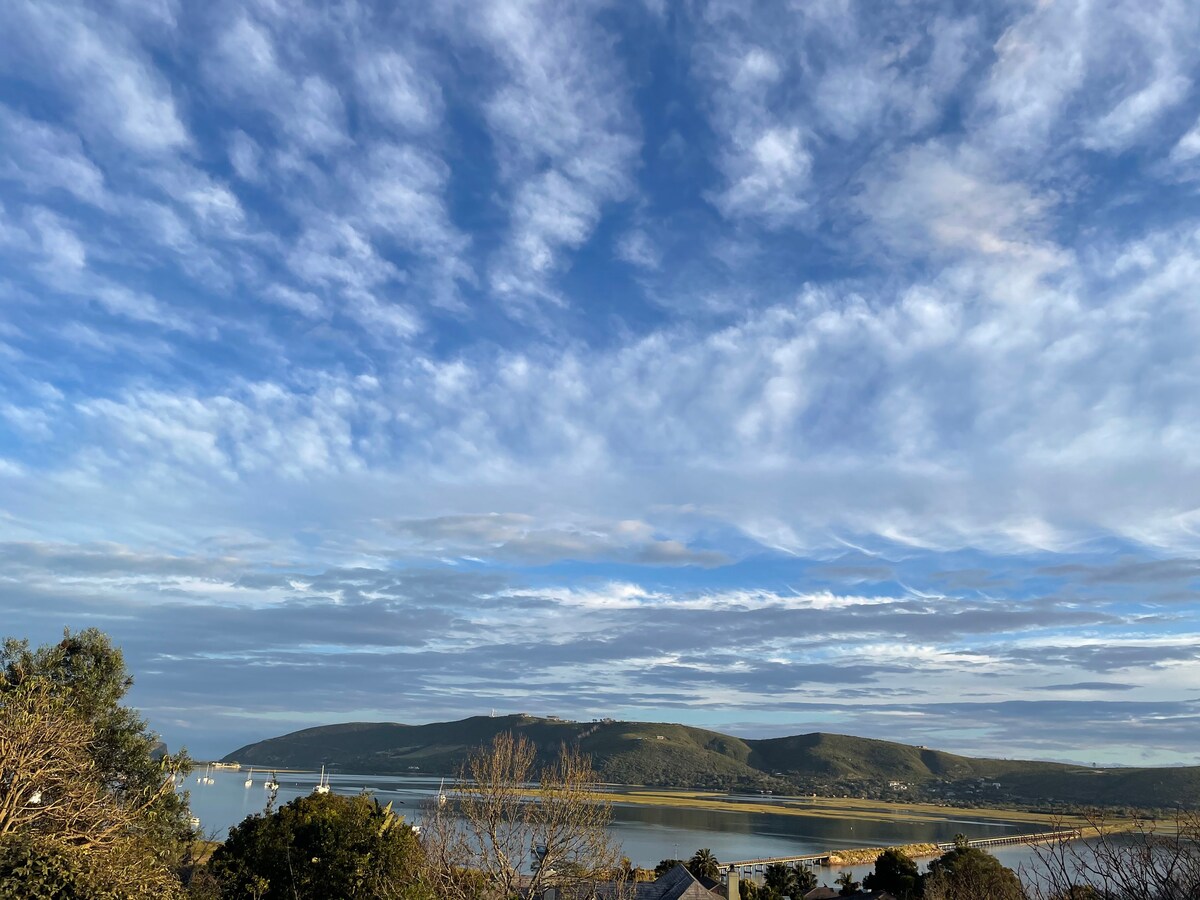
{"x":684,"y":756}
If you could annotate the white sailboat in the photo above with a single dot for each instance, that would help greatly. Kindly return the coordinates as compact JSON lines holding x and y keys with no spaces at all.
{"x":250,"y":777}
{"x":206,"y":778}
{"x":322,"y":785}
{"x":271,"y":784}
{"x":442,"y":793}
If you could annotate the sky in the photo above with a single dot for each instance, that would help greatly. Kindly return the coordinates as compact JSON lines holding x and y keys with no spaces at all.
{"x":768,"y":367}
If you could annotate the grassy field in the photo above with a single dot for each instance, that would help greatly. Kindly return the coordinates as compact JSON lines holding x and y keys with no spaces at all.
{"x":842,"y":808}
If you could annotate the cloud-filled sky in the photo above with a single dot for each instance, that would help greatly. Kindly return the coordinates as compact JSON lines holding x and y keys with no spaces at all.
{"x":775,"y":368}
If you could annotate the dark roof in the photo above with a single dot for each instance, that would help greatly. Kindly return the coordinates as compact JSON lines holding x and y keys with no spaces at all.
{"x":677,"y":884}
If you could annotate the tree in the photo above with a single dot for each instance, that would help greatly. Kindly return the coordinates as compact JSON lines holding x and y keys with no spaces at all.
{"x":846,"y":884}
{"x":508,"y":839}
{"x":968,"y":873}
{"x":78,"y":775}
{"x":704,"y":864}
{"x":806,"y":879}
{"x":788,"y":881}
{"x":320,"y":846}
{"x":1142,"y":860}
{"x":895,"y":873}
{"x":43,"y":869}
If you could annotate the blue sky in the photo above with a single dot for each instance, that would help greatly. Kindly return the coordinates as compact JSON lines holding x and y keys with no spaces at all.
{"x":766,"y":367}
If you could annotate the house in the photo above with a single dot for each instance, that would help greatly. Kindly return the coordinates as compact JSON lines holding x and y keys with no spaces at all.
{"x":677,"y":884}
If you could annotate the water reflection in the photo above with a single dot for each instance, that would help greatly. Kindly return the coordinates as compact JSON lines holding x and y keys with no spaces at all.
{"x":647,"y":833}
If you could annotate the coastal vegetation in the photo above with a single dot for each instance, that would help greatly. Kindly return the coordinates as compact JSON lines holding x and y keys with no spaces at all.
{"x":88,"y":807}
{"x":317,"y":847}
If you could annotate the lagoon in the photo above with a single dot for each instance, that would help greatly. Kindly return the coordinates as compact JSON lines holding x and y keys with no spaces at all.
{"x":647,"y":832}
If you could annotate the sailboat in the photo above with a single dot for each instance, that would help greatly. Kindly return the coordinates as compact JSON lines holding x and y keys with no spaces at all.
{"x":271,"y":784}
{"x":206,"y":778}
{"x":442,"y":793}
{"x":250,"y":777}
{"x":322,"y":785}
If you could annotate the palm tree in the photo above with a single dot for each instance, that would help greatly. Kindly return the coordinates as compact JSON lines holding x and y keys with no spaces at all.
{"x":781,"y":879}
{"x":788,"y":881}
{"x":847,"y":884}
{"x":704,"y":865}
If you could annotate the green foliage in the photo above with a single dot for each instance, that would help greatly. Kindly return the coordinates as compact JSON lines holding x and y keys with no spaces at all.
{"x":87,"y":674}
{"x":782,"y":880}
{"x":846,"y":884}
{"x":42,"y":870}
{"x":968,"y":873}
{"x":319,"y":847}
{"x":806,"y":879}
{"x":704,"y":864}
{"x":895,"y":873}
{"x":106,"y":815}
{"x":38,"y":867}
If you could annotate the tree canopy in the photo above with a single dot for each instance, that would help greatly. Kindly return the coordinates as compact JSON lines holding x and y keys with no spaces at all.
{"x":81,"y":790}
{"x":968,"y":873}
{"x":781,"y":880}
{"x":317,"y":847}
{"x":895,"y":873}
{"x":704,"y":864}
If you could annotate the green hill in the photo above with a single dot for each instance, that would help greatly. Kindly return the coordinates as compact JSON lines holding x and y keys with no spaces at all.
{"x":664,"y":754}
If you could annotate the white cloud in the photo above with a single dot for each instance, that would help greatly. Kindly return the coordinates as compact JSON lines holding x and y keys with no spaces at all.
{"x":398,"y":92}
{"x":44,"y":158}
{"x":244,"y":155}
{"x":304,"y":105}
{"x":1065,"y":64}
{"x":118,"y":92}
{"x":934,"y":199}
{"x":638,"y":249}
{"x":769,"y":174}
{"x":566,"y":140}
{"x":60,"y":246}
{"x":1136,"y":112}
{"x":1187,"y":148}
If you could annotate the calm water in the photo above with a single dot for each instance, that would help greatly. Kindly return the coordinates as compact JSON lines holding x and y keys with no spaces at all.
{"x":647,"y":833}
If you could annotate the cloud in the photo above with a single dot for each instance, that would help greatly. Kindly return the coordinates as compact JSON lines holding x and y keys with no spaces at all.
{"x":398,"y":92}
{"x":519,"y":537}
{"x":437,"y":640}
{"x":743,"y":364}
{"x":245,"y":63}
{"x":44,"y":158}
{"x":564,"y":138}
{"x":120,"y":94}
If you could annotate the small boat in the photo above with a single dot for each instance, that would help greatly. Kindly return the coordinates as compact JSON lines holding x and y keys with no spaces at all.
{"x":250,"y":777}
{"x":206,"y":778}
{"x":322,"y":785}
{"x":442,"y":793}
{"x":271,"y":784}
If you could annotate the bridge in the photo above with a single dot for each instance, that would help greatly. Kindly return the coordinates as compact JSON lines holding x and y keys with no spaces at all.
{"x":813,"y":860}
